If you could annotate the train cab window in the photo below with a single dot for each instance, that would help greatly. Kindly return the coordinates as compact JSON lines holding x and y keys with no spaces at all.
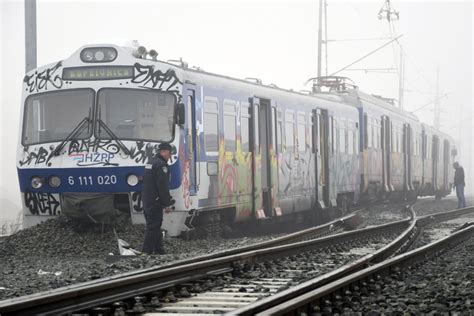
{"x":230,"y":114}
{"x":245,"y":127}
{"x":211,"y":126}
{"x":289,"y":132}
{"x":136,"y":114}
{"x":52,"y":116}
{"x":301,"y":143}
{"x":279,"y":132}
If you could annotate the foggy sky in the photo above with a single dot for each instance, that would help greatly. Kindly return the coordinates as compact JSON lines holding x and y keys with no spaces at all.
{"x":272,"y":40}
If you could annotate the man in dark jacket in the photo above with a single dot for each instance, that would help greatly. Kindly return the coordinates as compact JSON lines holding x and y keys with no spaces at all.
{"x":156,"y":198}
{"x":459,"y":184}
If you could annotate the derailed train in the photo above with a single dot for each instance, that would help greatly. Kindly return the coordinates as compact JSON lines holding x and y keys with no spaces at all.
{"x":242,"y":150}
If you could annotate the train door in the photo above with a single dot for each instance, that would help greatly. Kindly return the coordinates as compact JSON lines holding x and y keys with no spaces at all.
{"x":407,"y":156}
{"x":386,"y":153}
{"x":321,"y":146}
{"x":261,"y":156}
{"x":191,"y":140}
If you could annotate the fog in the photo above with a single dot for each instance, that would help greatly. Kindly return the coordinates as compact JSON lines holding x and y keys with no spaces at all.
{"x":275,"y":41}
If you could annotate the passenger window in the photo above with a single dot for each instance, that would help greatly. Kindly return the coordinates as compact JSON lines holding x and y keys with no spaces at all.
{"x":229,"y":125}
{"x":245,"y":127}
{"x":279,"y":131}
{"x":211,"y":127}
{"x":290,"y":132}
{"x":301,"y":133}
{"x":256,"y":136}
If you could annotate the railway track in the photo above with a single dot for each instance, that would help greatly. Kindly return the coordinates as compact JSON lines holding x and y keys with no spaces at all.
{"x":301,"y":299}
{"x":121,"y":287}
{"x":351,"y":291}
{"x":233,"y":282}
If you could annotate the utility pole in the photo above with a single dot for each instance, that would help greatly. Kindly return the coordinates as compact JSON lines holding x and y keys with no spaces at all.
{"x":320,"y":37}
{"x":437,"y":107}
{"x":401,"y":79}
{"x":30,"y":34}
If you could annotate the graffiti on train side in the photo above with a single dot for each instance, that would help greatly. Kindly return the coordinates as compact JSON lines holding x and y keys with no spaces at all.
{"x":89,"y":152}
{"x":38,"y":156}
{"x":137,"y":202}
{"x":42,"y":203}
{"x":148,"y":77}
{"x":43,"y":80}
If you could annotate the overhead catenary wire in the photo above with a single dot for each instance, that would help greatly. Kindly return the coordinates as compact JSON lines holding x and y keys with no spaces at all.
{"x":366,"y":55}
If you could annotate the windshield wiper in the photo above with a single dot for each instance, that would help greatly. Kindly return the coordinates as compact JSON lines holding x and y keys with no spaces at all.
{"x":112,"y":135}
{"x":72,"y":135}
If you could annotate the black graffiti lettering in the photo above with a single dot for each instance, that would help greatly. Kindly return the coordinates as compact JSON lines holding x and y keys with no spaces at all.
{"x":41,"y":203}
{"x":137,"y":201}
{"x":40,"y":80}
{"x":141,"y":152}
{"x":87,"y":145}
{"x":146,"y":76}
{"x":42,"y":156}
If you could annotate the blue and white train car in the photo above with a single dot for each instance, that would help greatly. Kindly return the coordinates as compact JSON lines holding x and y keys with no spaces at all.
{"x":242,"y":150}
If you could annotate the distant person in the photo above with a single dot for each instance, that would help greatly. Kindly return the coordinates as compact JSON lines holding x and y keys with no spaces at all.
{"x":156,"y":198}
{"x":459,"y":184}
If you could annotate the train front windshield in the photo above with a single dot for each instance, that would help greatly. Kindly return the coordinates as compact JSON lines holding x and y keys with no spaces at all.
{"x":52,"y":116}
{"x":130,"y":114}
{"x":136,"y":114}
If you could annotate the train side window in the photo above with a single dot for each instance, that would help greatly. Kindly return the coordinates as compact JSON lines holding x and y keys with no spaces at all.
{"x":377,"y":134}
{"x":274,"y":125}
{"x":256,"y":134}
{"x":350,"y":138}
{"x":229,"y":125}
{"x":342,"y":136}
{"x":332,"y":136}
{"x":310,"y":132}
{"x":211,"y":127}
{"x":289,"y":132}
{"x":301,"y":133}
{"x":370,"y":133}
{"x":366,"y":131}
{"x":279,"y":132}
{"x":245,"y":127}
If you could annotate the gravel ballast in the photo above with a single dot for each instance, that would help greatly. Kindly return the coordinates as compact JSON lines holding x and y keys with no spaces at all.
{"x":55,"y":254}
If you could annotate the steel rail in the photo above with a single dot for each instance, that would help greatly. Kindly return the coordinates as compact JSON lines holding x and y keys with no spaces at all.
{"x":123,"y":286}
{"x":345,"y":270}
{"x":304,"y":301}
{"x":444,"y":216}
{"x":287,"y":295}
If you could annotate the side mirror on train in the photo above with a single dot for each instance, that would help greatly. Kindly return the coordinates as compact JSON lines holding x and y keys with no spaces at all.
{"x":454,"y":152}
{"x":180,"y":115}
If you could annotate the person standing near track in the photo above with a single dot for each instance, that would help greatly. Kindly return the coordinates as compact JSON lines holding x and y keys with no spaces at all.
{"x":156,"y":198}
{"x":459,"y":184}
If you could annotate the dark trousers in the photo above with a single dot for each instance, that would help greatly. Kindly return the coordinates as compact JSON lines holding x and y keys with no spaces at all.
{"x":460,"y":195}
{"x":153,"y":242}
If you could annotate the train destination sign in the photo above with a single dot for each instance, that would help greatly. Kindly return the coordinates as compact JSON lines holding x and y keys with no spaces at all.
{"x":98,"y":73}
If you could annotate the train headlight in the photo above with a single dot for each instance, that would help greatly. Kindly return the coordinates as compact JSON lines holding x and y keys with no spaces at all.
{"x":36,"y":182}
{"x":54,"y":181}
{"x":132,"y":180}
{"x":87,"y":56}
{"x":98,"y":54}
